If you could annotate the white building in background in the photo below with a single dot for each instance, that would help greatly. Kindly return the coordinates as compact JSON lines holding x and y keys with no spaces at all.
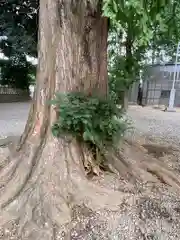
{"x":157,"y":84}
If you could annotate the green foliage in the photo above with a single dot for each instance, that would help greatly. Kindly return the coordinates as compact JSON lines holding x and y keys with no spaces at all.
{"x":138,"y":28}
{"x":18,"y":22}
{"x":96,"y":121}
{"x":15,"y":72}
{"x":18,"y":26}
{"x":136,"y":14}
{"x":165,"y":40}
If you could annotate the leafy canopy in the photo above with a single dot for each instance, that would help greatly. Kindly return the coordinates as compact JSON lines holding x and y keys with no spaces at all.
{"x":18,"y":32}
{"x":19,"y":23}
{"x":138,"y":27}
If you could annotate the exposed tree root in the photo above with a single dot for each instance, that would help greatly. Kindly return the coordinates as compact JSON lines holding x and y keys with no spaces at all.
{"x":148,"y":168}
{"x":42,"y":186}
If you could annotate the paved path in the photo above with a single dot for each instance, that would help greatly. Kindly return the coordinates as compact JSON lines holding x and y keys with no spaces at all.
{"x":13,"y":118}
{"x":148,"y":121}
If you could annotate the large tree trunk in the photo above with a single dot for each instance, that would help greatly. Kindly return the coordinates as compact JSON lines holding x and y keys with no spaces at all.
{"x":72,"y":54}
{"x":44,"y":193}
{"x":45,"y":180}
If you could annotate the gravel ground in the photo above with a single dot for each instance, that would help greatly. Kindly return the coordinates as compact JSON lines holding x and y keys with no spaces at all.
{"x":149,"y":122}
{"x":152,"y":212}
{"x":156,"y":124}
{"x":13,"y":118}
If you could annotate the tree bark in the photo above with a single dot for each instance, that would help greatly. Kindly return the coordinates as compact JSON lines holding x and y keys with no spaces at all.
{"x":128,"y":66}
{"x":125,"y":102}
{"x":72,"y":54}
{"x":45,"y":180}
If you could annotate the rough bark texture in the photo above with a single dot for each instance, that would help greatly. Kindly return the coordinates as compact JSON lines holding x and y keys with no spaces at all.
{"x":72,"y":55}
{"x":44,"y":193}
{"x":39,"y":186}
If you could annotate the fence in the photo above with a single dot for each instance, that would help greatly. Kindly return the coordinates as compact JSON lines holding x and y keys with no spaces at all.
{"x":9,"y":94}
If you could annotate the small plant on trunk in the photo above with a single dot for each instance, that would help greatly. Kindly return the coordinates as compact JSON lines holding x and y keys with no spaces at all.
{"x":93,"y":121}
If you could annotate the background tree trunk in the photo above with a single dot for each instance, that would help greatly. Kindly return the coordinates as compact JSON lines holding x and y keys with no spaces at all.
{"x":125,"y":101}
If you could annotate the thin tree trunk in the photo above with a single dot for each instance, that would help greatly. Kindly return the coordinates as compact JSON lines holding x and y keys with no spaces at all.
{"x":125,"y":100}
{"x":128,"y":65}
